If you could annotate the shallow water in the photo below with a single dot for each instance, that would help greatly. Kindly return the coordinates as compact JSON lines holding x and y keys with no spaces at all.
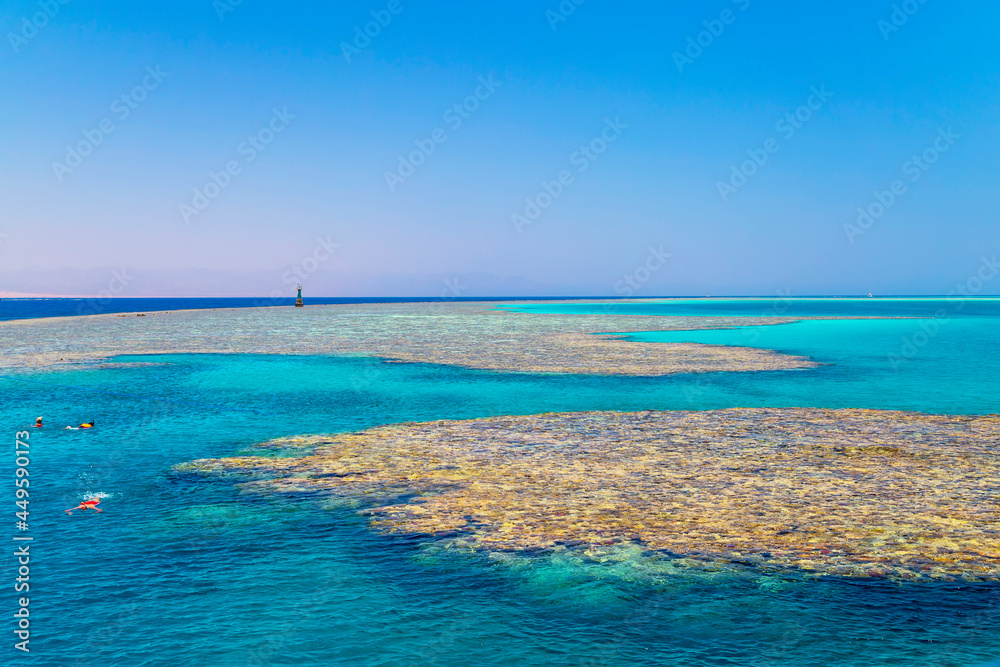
{"x":938,"y":366}
{"x":956,"y":306}
{"x":180,"y":570}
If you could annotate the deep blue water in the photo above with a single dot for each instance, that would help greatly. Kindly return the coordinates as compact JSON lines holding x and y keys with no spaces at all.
{"x":18,"y":309}
{"x":24,"y":309}
{"x":181,"y":571}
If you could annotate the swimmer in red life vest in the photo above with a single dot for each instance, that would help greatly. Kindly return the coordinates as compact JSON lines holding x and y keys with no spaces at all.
{"x":38,"y":423}
{"x":91,"y":504}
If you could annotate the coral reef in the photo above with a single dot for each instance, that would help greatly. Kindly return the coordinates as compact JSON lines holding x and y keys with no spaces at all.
{"x":465,"y":334}
{"x":836,"y":492}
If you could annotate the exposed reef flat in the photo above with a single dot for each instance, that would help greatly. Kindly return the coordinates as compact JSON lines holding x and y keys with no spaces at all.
{"x":471,"y":335}
{"x":836,"y":492}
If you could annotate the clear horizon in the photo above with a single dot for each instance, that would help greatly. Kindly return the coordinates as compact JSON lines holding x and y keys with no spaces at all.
{"x":13,"y":296}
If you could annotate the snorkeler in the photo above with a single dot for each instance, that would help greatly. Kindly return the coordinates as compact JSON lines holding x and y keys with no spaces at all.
{"x":38,"y":423}
{"x":77,"y":428}
{"x":91,"y":504}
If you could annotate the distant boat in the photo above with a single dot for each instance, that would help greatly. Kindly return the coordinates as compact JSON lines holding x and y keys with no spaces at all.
{"x":869,"y":295}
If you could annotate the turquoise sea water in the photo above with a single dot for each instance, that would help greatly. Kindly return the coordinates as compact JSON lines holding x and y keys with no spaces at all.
{"x":181,"y":571}
{"x":954,"y":306}
{"x":926,"y":365}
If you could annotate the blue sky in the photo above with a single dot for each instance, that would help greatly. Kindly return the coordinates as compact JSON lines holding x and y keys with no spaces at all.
{"x":554,"y":86}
